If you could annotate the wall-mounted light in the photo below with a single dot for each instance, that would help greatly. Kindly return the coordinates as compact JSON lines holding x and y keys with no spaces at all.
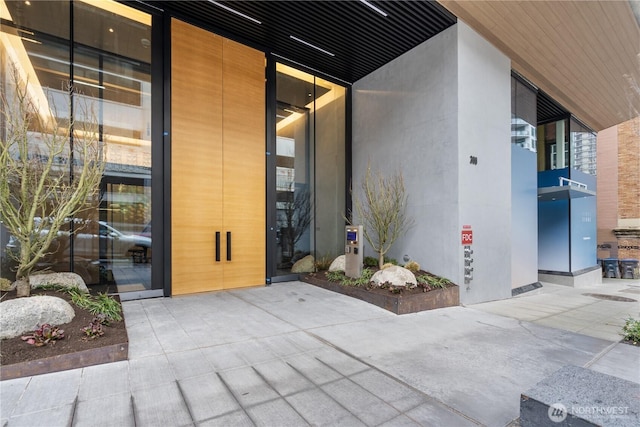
{"x":236,"y":12}
{"x":374,"y":7}
{"x":306,"y":43}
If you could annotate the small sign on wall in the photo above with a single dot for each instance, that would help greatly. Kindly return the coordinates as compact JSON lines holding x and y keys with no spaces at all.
{"x":467,"y":235}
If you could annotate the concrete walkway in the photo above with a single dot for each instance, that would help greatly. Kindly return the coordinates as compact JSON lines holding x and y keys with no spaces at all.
{"x":293,"y":354}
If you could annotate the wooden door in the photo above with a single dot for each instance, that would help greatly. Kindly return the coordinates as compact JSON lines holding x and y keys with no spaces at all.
{"x":243,"y":75}
{"x":217,"y":162}
{"x":196,"y":158}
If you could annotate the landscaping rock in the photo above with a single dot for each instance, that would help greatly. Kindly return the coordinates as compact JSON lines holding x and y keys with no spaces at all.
{"x":305,"y":265}
{"x":66,"y":280}
{"x":21,"y":315}
{"x":337,"y":264}
{"x":396,"y":276}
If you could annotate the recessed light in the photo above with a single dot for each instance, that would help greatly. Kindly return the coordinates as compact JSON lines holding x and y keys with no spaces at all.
{"x":28,"y":3}
{"x":30,"y":40}
{"x":374,"y":7}
{"x":311,"y":45}
{"x":228,"y":9}
{"x":111,"y":30}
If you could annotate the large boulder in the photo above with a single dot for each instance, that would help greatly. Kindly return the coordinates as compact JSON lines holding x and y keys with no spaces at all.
{"x":395,"y":276}
{"x":305,"y":265}
{"x":21,"y":315}
{"x":337,"y":264}
{"x":66,"y":280}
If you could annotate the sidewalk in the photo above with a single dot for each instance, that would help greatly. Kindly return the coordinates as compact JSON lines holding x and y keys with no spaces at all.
{"x":294,"y":354}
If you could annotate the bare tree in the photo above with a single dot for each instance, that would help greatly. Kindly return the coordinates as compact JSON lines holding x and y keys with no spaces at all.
{"x":381,"y":208}
{"x":49,"y":169}
{"x":297,"y":215}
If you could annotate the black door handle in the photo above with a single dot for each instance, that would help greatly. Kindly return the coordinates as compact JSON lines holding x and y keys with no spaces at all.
{"x":217,"y":246}
{"x":228,"y":246}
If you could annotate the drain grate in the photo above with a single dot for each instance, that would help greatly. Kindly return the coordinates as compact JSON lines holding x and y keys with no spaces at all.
{"x":611,"y":297}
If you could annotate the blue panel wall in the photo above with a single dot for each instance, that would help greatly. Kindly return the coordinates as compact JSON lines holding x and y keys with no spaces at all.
{"x":551,"y":178}
{"x":524,"y":217}
{"x":583,"y":233}
{"x":585,"y":178}
{"x":553,"y":236}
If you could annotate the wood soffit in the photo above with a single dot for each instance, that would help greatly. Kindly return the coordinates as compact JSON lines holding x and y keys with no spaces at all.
{"x":584,"y":54}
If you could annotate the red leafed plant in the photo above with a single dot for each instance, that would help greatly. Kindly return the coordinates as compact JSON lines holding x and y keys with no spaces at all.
{"x":44,"y":335}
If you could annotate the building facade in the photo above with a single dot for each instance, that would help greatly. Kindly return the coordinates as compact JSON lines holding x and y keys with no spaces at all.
{"x":236,"y":130}
{"x":619,"y":195}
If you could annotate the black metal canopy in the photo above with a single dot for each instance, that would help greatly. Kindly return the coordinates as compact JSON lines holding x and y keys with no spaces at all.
{"x":343,"y":39}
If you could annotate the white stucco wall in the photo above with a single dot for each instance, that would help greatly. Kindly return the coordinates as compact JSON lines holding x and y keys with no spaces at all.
{"x":484,"y":129}
{"x":425,"y":113}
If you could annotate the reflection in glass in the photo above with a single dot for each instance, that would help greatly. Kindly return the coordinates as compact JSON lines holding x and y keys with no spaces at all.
{"x":583,"y":147}
{"x":310,"y":183}
{"x":523,"y":116}
{"x":112,"y":82}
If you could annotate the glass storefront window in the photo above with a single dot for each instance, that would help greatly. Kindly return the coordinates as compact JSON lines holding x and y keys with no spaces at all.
{"x":310,"y":178}
{"x":111,"y":74}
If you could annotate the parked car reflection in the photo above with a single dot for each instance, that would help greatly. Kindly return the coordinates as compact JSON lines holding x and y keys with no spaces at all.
{"x":95,"y":241}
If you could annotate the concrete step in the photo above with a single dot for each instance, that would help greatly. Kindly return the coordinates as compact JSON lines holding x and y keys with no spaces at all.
{"x":575,"y":396}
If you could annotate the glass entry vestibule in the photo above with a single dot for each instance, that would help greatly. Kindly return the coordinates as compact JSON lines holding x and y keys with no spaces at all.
{"x":237,"y":158}
{"x":310,"y":168}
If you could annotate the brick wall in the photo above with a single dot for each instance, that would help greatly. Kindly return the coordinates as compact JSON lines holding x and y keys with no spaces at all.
{"x":629,"y":189}
{"x":607,"y":189}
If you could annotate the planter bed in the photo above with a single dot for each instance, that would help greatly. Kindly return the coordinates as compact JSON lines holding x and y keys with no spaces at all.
{"x":408,"y":301}
{"x":19,"y":359}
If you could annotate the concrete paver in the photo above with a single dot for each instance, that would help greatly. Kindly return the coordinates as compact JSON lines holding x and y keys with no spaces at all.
{"x":295,"y":354}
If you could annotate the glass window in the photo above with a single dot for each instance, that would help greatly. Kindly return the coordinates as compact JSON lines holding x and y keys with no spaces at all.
{"x":35,"y":51}
{"x":310,"y":174}
{"x":523,"y":115}
{"x":583,"y":146}
{"x":111,"y":75}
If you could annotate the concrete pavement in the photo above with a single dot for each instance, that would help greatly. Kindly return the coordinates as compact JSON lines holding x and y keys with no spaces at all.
{"x":294,"y":354}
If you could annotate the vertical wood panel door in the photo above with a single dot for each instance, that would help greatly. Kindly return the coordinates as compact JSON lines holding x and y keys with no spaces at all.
{"x":217,"y":162}
{"x":196,"y":158}
{"x":243,"y":76}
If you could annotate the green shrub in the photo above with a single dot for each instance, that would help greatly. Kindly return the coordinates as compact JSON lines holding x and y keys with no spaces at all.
{"x":363,"y":280}
{"x":430,"y":281}
{"x":339,"y":277}
{"x":335,"y":276}
{"x":370,"y":261}
{"x":631,"y":331}
{"x":101,"y":304}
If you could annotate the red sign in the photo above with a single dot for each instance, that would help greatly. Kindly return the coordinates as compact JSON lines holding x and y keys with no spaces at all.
{"x":467,"y":237}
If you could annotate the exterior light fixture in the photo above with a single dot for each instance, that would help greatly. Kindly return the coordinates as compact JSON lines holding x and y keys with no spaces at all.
{"x":228,"y":9}
{"x":374,"y":7}
{"x":311,"y":45}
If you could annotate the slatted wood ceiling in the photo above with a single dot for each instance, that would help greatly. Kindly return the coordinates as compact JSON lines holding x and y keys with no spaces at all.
{"x":576,"y":51}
